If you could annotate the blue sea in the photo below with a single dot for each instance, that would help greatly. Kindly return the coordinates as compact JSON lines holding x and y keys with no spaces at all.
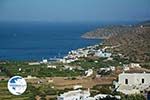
{"x":39,"y":40}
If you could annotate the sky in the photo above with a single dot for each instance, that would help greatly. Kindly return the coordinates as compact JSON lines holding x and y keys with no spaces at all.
{"x":74,"y":10}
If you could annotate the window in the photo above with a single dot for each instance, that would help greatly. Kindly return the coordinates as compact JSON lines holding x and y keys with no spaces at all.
{"x":142,"y":80}
{"x":126,"y":81}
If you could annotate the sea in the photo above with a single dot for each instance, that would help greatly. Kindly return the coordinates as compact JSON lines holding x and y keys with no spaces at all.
{"x":42,"y":40}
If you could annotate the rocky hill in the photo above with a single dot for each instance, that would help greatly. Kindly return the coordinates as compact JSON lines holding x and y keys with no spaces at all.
{"x":133,"y":40}
{"x":106,"y":32}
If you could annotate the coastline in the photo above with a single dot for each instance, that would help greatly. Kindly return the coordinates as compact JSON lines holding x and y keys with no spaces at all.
{"x":93,"y":37}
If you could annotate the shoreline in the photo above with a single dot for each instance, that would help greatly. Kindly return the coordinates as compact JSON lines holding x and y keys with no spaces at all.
{"x":93,"y":37}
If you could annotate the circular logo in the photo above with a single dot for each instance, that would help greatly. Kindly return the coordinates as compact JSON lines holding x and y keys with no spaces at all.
{"x":17,"y":85}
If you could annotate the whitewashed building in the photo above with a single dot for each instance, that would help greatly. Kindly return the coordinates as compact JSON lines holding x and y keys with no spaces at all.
{"x":131,"y":83}
{"x":102,"y":96}
{"x":135,"y":65}
{"x":89,"y":72}
{"x":51,"y":66}
{"x":44,"y":61}
{"x":74,"y":95}
{"x":77,"y":87}
{"x":84,"y":95}
{"x":102,"y":54}
{"x":33,"y":63}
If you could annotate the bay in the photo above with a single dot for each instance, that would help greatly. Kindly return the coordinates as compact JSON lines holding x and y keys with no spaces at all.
{"x":38,"y":40}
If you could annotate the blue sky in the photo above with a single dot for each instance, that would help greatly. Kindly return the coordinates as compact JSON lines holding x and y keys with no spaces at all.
{"x":74,"y":10}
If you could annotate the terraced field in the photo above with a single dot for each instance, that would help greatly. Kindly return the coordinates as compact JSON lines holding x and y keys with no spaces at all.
{"x":6,"y":95}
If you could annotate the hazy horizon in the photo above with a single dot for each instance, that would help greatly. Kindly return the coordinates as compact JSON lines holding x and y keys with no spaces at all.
{"x":75,"y":10}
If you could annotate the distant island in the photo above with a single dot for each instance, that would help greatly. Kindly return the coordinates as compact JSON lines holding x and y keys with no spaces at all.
{"x":132,"y":41}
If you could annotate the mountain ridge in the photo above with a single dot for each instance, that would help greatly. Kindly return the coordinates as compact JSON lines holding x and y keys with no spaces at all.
{"x":133,"y":40}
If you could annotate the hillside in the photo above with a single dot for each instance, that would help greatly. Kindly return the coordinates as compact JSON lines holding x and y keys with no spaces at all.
{"x":133,"y":41}
{"x":106,"y":32}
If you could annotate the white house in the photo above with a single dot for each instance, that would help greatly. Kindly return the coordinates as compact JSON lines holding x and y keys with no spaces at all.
{"x":83,"y":95}
{"x":33,"y":63}
{"x":126,"y":68}
{"x":68,"y":60}
{"x":112,"y":68}
{"x":135,"y":65}
{"x":105,"y":69}
{"x":69,"y":67}
{"x":100,"y":53}
{"x":74,"y":95}
{"x":131,"y":83}
{"x":30,"y":77}
{"x":102,"y":96}
{"x":77,"y":87}
{"x":51,"y":66}
{"x":44,"y":61}
{"x":89,"y":72}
